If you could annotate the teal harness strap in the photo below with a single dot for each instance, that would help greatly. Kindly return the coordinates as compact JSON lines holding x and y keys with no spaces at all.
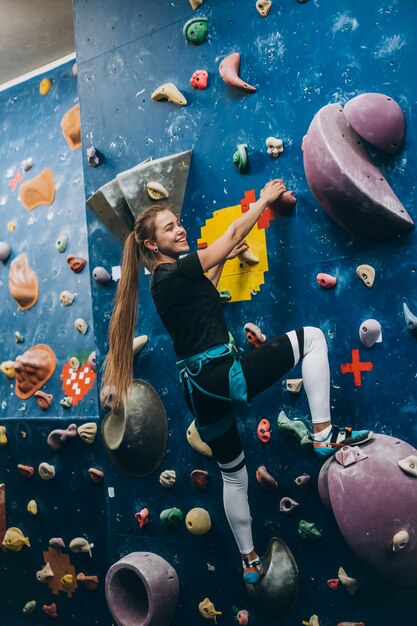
{"x":191,"y":368}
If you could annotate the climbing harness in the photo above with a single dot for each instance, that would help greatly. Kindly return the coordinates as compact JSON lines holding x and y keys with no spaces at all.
{"x":191,"y":367}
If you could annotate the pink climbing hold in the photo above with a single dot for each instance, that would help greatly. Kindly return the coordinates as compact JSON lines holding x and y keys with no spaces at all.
{"x":287,"y":505}
{"x":229,"y":71}
{"x":333,"y":583}
{"x":242,"y":617}
{"x":57,"y":437}
{"x":254,"y":335}
{"x":199,"y":79}
{"x":377,"y":118}
{"x":264,"y":431}
{"x":142,"y":517}
{"x":350,"y":454}
{"x":326,"y":281}
{"x":302,"y":481}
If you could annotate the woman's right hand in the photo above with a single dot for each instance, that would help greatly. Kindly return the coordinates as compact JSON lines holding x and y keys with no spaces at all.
{"x":273,"y":190}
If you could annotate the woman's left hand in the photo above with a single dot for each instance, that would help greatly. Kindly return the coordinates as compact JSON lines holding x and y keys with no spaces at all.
{"x":238,"y":249}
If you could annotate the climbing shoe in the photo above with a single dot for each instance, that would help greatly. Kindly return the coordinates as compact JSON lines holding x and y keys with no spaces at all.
{"x":297,"y":430}
{"x":339,"y":437}
{"x":252,"y":571}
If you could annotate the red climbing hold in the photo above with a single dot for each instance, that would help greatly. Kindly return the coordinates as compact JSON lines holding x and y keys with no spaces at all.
{"x":264,"y":431}
{"x":333,"y":583}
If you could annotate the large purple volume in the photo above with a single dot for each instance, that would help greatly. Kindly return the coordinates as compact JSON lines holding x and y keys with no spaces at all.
{"x":346,"y":183}
{"x":378,"y":119}
{"x":142,"y":590}
{"x":373,"y":500}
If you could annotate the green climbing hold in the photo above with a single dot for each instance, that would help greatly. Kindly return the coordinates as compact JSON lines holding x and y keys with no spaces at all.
{"x":62,"y":242}
{"x":172,"y":517}
{"x":308,"y":531}
{"x":66,"y":402}
{"x":225,"y":295}
{"x":296,"y":429}
{"x":196,"y":30}
{"x":240,"y":157}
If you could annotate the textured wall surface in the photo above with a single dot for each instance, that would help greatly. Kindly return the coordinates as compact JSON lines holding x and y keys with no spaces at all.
{"x":69,"y":505}
{"x":300,"y":58}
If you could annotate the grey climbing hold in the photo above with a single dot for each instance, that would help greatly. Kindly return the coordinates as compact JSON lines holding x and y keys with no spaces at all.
{"x":410,"y":319}
{"x":62,"y":242}
{"x":278,"y":590}
{"x":370,"y":333}
{"x":101,"y":275}
{"x":142,"y":590}
{"x":135,"y":436}
{"x":5,"y":251}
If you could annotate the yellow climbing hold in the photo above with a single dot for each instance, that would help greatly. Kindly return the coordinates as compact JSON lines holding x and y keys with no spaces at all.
{"x":7,"y":367}
{"x":14,"y":539}
{"x":168,"y":91}
{"x":11,"y":226}
{"x":32,"y":507}
{"x":196,"y":442}
{"x":45,"y":86}
{"x":207,"y":610}
{"x":3,"y":436}
{"x":67,"y":580}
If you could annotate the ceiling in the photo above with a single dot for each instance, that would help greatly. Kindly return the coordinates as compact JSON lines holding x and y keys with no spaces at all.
{"x":33,"y":33}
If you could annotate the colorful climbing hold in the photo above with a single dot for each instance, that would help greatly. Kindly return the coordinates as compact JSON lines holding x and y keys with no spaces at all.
{"x":57,"y":543}
{"x":169,"y":91}
{"x":76,"y":263}
{"x":287,"y":504}
{"x":326,"y":281}
{"x":297,"y":430}
{"x":62,"y":242}
{"x":195,"y":4}
{"x":101,"y":275}
{"x":225,"y":295}
{"x":351,"y":584}
{"x":142,"y":517}
{"x":27,"y":471}
{"x":265,"y":479}
{"x":46,"y":471}
{"x":302,"y":481}
{"x":66,"y":402}
{"x":156,"y":191}
{"x":45,"y":86}
{"x":198,"y":521}
{"x":229,"y":71}
{"x":207,"y":610}
{"x":3,"y":436}
{"x":88,"y":432}
{"x":370,"y":333}
{"x":254,"y":335}
{"x":367,"y":274}
{"x":196,"y":30}
{"x":167,"y":478}
{"x":14,"y":539}
{"x":43,"y":399}
{"x":81,"y":325}
{"x":88,"y":582}
{"x":71,"y":127}
{"x":79,"y":544}
{"x":199,"y":79}
{"x":240,"y":157}
{"x":264,"y":430}
{"x":66,"y":298}
{"x":242,"y":617}
{"x":333,"y":583}
{"x":96,"y":475}
{"x":38,"y":190}
{"x":172,"y":517}
{"x":5,"y":251}
{"x":284,"y":204}
{"x":410,"y":318}
{"x":274,"y":146}
{"x":58,"y":436}
{"x":199,"y":478}
{"x":23,"y":282}
{"x":50,"y":609}
{"x":308,"y":531}
{"x":8,"y":369}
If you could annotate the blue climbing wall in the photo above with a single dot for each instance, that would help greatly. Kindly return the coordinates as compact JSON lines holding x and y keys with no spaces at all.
{"x":300,"y":58}
{"x":70,"y":504}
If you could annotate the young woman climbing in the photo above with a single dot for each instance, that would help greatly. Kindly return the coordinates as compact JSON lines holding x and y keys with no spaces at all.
{"x":216,"y":382}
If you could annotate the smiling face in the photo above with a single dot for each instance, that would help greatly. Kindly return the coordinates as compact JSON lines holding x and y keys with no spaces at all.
{"x":170,"y":237}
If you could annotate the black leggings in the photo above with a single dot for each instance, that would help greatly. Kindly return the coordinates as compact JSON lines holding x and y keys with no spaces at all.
{"x":262,"y":367}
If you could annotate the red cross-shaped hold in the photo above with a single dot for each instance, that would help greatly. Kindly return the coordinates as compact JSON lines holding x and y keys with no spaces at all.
{"x":356,"y":367}
{"x":15,"y":181}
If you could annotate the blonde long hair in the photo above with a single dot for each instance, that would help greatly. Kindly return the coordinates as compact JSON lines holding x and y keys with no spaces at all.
{"x":118,"y":365}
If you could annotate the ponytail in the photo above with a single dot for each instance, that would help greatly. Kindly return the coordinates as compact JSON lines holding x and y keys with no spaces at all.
{"x":118,"y":365}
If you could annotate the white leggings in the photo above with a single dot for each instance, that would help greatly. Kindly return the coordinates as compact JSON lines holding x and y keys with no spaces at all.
{"x":316,"y":379}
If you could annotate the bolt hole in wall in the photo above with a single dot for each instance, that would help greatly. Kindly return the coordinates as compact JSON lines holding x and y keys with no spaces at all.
{"x":311,"y":237}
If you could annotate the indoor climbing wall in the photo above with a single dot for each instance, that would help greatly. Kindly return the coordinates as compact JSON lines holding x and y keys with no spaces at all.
{"x":300,"y":58}
{"x":48,"y":403}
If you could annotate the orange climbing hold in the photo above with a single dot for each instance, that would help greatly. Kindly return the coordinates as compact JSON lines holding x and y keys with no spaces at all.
{"x":38,"y":190}
{"x":23,"y":282}
{"x":71,"y":127}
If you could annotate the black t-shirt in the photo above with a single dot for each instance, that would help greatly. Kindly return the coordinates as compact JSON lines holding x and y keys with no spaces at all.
{"x":189,"y":306}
